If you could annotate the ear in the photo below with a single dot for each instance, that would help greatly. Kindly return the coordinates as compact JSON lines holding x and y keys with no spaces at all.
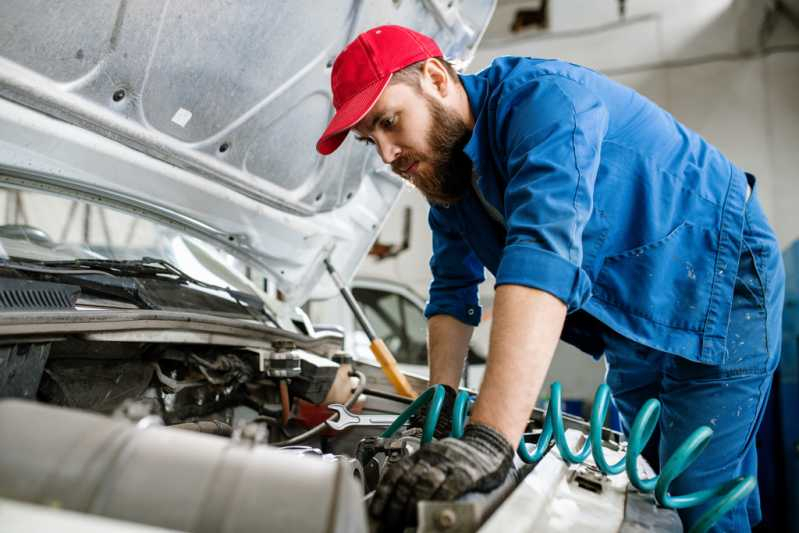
{"x":435,"y":73}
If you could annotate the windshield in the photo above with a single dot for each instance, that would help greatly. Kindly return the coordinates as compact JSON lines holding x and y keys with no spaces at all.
{"x":41,"y":227}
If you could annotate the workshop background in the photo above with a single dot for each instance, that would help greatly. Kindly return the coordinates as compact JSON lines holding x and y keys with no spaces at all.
{"x":729,"y":70}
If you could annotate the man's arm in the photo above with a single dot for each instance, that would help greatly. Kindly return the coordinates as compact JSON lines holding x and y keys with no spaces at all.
{"x":552,"y":129}
{"x":447,"y":344}
{"x":527,"y":324}
{"x":525,"y":331}
{"x":453,"y":308}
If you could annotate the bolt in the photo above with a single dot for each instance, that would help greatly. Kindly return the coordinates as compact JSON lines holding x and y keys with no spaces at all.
{"x":445,"y":518}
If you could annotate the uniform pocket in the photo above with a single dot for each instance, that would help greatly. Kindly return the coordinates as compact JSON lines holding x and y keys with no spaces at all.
{"x":667,"y":281}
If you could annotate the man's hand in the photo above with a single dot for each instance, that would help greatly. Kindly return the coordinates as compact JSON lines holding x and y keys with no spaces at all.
{"x":441,"y":470}
{"x":444,"y":423}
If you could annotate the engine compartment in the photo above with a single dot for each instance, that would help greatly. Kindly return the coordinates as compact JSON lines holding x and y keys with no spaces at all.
{"x":133,"y":406}
{"x":170,"y":399}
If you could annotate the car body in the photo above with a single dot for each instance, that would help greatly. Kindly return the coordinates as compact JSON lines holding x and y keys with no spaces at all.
{"x":166,"y":218}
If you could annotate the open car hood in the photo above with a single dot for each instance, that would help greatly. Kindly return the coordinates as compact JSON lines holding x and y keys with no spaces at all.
{"x":204,"y":116}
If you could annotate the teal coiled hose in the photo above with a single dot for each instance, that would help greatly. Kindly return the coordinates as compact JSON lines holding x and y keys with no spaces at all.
{"x":728,"y":494}
{"x":435,"y":396}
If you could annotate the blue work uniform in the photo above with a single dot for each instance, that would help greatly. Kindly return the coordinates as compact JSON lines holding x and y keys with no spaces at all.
{"x":653,"y":239}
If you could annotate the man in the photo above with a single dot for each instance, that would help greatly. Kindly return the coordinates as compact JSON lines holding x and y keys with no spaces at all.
{"x":606,"y":223}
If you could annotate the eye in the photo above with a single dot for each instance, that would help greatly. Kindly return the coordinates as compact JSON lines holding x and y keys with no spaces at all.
{"x":389,"y":122}
{"x":365,"y":140}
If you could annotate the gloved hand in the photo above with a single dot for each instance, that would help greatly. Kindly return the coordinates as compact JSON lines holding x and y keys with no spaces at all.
{"x":444,"y":423}
{"x":441,"y":470}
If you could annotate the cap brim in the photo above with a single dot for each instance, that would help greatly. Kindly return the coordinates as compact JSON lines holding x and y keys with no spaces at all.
{"x":349,"y":115}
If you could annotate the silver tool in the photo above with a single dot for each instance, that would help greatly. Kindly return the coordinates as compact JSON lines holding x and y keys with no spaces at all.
{"x":347,"y":419}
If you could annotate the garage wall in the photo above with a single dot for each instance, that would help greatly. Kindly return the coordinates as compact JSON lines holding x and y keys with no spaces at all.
{"x":710,"y":63}
{"x":67,"y":220}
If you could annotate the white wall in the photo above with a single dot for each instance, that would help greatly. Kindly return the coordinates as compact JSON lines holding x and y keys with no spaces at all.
{"x":698,"y":59}
{"x":64,"y":220}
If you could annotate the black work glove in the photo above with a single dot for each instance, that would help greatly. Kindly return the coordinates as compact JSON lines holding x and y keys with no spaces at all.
{"x":441,"y":470}
{"x":444,"y":423}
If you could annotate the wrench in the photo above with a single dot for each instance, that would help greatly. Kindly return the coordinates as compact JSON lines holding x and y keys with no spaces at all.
{"x":347,"y":419}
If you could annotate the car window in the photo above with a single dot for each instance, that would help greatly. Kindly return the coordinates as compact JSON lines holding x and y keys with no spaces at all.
{"x":382,"y":312}
{"x":397,"y":321}
{"x":415,"y":322}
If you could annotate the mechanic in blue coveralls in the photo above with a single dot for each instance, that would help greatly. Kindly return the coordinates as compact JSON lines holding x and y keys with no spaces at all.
{"x":606,"y":222}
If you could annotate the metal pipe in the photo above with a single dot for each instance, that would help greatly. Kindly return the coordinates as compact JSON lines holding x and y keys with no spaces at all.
{"x":213,"y":427}
{"x":350,"y":299}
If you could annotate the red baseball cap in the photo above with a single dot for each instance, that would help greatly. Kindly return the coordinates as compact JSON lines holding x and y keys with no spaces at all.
{"x":363,"y":70}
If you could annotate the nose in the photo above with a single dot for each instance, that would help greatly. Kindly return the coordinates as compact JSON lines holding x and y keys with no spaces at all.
{"x":388,"y":151}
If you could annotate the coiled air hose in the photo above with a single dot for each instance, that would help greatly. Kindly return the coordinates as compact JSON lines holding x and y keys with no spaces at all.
{"x":728,"y":494}
{"x":433,"y":395}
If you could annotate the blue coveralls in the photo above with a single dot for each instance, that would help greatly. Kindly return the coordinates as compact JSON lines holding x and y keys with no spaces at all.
{"x":589,"y":191}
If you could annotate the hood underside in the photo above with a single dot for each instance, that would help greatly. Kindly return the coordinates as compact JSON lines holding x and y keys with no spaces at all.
{"x":204,"y":116}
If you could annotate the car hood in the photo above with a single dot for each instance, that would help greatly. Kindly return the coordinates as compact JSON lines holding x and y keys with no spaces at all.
{"x":204,"y":116}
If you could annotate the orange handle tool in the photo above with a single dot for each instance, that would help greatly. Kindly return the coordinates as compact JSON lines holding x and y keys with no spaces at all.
{"x":390,"y":368}
{"x":378,"y":347}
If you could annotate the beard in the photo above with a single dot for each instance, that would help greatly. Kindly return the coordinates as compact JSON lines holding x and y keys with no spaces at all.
{"x":450,"y":169}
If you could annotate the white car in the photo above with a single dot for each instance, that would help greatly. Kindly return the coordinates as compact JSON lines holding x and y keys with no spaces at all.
{"x":396,"y":312}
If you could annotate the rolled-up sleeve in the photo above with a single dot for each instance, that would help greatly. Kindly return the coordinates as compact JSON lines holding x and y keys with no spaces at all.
{"x":551,"y":129}
{"x":457,"y":272}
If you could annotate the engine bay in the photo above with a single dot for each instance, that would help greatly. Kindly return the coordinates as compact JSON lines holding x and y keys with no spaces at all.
{"x":119,"y":375}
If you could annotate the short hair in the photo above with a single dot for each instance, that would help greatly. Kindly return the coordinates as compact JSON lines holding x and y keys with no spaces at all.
{"x":412,"y":74}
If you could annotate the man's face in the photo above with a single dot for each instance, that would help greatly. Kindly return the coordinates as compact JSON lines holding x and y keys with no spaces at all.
{"x":421,"y":139}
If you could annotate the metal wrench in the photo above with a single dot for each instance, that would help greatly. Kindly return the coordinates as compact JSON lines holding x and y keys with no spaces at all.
{"x":347,"y":419}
